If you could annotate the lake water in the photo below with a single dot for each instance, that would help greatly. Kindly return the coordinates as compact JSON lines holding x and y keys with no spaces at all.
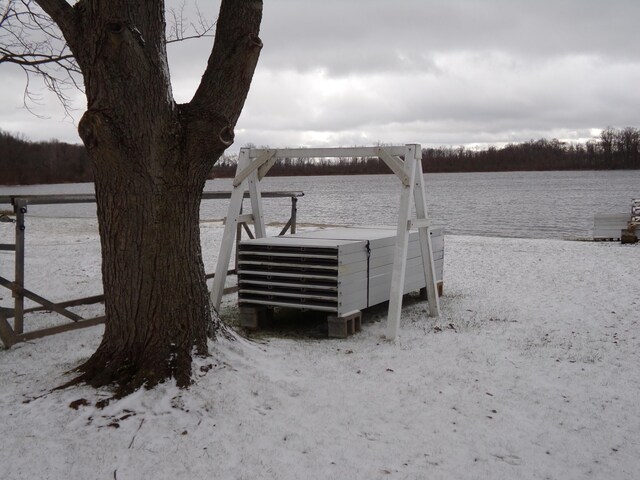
{"x":511,"y":204}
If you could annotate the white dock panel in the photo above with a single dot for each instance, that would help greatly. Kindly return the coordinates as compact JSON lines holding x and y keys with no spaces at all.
{"x":609,"y":226}
{"x":334,"y":272}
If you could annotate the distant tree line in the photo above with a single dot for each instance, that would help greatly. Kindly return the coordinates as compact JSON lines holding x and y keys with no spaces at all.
{"x":24,"y":162}
{"x":614,"y":149}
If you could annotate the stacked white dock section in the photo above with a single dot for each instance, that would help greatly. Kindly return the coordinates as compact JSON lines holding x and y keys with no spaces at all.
{"x":609,"y":226}
{"x":335,"y":270}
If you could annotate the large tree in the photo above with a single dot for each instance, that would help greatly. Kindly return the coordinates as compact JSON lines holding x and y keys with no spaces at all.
{"x":151,"y":157}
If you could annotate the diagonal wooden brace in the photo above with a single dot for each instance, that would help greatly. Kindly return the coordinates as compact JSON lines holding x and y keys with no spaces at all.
{"x":7,"y":335}
{"x":262,"y":159}
{"x":37,"y":298}
{"x":395,"y":164}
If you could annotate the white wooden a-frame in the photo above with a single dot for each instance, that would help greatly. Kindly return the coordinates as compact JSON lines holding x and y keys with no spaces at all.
{"x":254,"y":164}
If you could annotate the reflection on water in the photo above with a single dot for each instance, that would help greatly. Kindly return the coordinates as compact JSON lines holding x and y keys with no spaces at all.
{"x":515,"y":204}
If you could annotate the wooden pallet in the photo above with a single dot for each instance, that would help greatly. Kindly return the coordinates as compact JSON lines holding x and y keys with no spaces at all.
{"x":255,"y":317}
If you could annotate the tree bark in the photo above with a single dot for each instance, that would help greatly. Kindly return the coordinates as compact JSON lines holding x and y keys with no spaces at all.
{"x":151,"y":158}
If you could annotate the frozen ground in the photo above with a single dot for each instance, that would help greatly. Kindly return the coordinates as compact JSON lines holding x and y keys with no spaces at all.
{"x":532,"y":372}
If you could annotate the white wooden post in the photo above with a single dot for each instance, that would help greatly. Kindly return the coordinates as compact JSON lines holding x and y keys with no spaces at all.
{"x":249,"y":171}
{"x":426,"y":246}
{"x":402,"y":243}
{"x":228,"y":237}
{"x":255,"y":194}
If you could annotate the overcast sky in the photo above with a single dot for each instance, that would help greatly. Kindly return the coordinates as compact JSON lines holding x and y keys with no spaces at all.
{"x":435,"y":72}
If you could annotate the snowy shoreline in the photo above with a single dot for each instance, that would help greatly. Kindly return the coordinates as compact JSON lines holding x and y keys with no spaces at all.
{"x":533,"y":371}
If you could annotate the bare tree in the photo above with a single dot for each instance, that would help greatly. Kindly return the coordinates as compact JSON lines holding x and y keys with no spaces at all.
{"x":187,"y":27}
{"x":151,"y":158}
{"x":32,"y":41}
{"x":607,"y":139}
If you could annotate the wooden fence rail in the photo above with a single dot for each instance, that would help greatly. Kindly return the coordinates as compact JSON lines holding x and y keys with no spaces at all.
{"x":10,"y":334}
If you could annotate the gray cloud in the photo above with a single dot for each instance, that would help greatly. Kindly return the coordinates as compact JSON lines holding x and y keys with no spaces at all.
{"x":378,"y":35}
{"x":456,"y":72}
{"x":44,"y":119}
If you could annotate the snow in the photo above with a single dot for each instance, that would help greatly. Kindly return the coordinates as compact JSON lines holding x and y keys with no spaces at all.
{"x":531,"y":372}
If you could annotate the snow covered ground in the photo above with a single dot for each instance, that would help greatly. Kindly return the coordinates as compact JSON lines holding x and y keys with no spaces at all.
{"x":532,"y":372}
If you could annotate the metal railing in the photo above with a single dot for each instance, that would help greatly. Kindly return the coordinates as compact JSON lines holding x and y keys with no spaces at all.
{"x":11,"y":334}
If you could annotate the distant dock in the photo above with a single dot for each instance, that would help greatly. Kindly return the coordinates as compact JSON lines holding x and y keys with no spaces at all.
{"x":608,"y":227}
{"x":617,"y":226}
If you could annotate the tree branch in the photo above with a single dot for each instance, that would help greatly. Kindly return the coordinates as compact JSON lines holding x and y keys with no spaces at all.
{"x":44,"y":39}
{"x":36,"y":59}
{"x":31,"y":39}
{"x":179,"y":31}
{"x":186,"y":37}
{"x":62,"y":13}
{"x":232,"y":62}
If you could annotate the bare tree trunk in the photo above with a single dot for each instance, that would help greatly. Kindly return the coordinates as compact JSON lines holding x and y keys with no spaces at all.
{"x":151,"y":159}
{"x":157,"y":303}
